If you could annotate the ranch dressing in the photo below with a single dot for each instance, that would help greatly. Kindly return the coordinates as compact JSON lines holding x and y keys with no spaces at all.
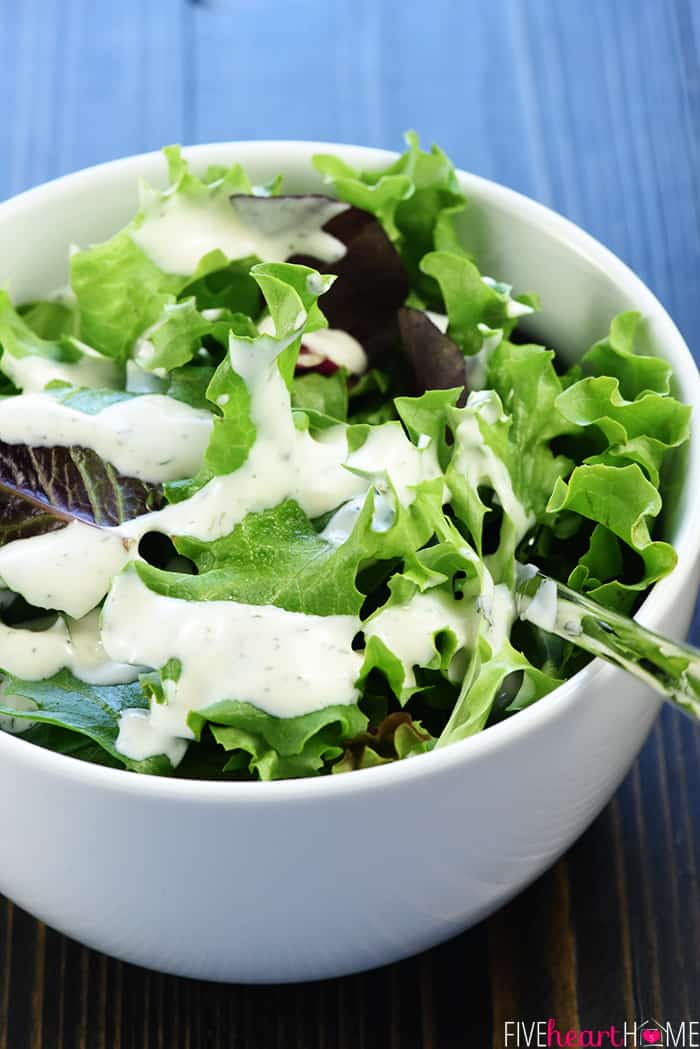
{"x":409,"y":630}
{"x":334,"y":345}
{"x":70,"y":569}
{"x":153,"y":438}
{"x":288,"y":463}
{"x":496,"y":605}
{"x":15,"y":725}
{"x":477,"y":462}
{"x":331,"y":344}
{"x":285,"y":663}
{"x":32,"y":372}
{"x":78,"y":561}
{"x":177,"y":230}
{"x":514,"y":309}
{"x":73,"y":644}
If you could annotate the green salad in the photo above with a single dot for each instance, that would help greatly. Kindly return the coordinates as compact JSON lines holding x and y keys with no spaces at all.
{"x":268,"y":465}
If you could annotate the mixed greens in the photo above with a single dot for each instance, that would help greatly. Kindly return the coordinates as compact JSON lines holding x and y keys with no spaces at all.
{"x":267,"y":467}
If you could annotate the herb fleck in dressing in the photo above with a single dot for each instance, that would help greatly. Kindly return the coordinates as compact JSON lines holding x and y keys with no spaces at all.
{"x":152,"y":437}
{"x":70,"y":643}
{"x":32,"y":373}
{"x":176,"y":232}
{"x":409,"y":630}
{"x":221,"y":645}
{"x":77,"y":564}
{"x":286,"y":663}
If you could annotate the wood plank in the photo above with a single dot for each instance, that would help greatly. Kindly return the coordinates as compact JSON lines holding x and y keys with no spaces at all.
{"x":85,"y":83}
{"x":532,"y":956}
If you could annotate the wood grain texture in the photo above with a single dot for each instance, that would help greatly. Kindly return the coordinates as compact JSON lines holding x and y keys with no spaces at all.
{"x":590,"y":106}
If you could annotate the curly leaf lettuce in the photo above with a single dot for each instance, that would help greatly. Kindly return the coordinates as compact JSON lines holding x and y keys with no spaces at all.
{"x":277,"y":748}
{"x":291,"y":293}
{"x":31,"y":361}
{"x":91,"y":711}
{"x":120,"y":291}
{"x":416,"y":199}
{"x":475,"y":305}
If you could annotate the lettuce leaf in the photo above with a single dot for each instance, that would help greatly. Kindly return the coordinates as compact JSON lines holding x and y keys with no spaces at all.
{"x":623,"y":501}
{"x":324,"y":394}
{"x":481,"y":687}
{"x":92,"y":711}
{"x":639,"y":431}
{"x":416,"y":199}
{"x":271,"y":558}
{"x":179,"y":333}
{"x":31,"y":361}
{"x":228,"y":286}
{"x":372,"y":281}
{"x":120,"y":291}
{"x":50,"y":319}
{"x":396,"y":737}
{"x":277,"y":748}
{"x":435,"y":360}
{"x":190,"y":384}
{"x":473,"y":302}
{"x":615,"y":356}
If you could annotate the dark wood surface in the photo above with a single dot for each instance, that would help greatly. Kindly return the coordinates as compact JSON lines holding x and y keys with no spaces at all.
{"x":592,"y":107}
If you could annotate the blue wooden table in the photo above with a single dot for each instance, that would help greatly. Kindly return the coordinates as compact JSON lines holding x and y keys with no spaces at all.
{"x":591,"y":106}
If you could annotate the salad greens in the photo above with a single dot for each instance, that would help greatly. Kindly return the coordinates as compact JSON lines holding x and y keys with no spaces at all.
{"x":279,"y":457}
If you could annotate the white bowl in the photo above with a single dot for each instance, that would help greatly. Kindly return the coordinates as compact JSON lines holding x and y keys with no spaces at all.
{"x":299,"y":880}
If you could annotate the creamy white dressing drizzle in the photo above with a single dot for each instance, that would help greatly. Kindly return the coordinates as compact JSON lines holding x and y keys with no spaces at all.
{"x":73,"y":644}
{"x":341,"y":524}
{"x":288,"y":463}
{"x":388,"y":450}
{"x":138,"y":380}
{"x":409,"y":630}
{"x":440,"y":320}
{"x":476,"y":366}
{"x":497,"y":605}
{"x":178,"y":230}
{"x":285,"y":663}
{"x":144,"y":351}
{"x":32,"y":372}
{"x":153,"y":438}
{"x":500,"y":618}
{"x":334,"y":345}
{"x":70,"y":569}
{"x":284,"y":463}
{"x":331,"y":344}
{"x":12,"y":724}
{"x":476,"y":461}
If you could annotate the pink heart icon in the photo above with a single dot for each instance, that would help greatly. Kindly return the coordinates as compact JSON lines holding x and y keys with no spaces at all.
{"x":651,"y":1037}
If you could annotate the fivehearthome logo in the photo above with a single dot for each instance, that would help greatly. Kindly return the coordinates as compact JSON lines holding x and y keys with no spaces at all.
{"x":644,"y":1034}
